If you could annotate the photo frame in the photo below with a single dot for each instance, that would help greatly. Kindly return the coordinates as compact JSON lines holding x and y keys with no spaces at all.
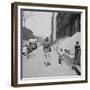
{"x":48,"y":43}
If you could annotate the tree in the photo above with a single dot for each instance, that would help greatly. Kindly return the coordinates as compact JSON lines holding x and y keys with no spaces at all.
{"x":27,"y":34}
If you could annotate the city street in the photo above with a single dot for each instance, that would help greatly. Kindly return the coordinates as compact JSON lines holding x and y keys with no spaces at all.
{"x":33,"y":65}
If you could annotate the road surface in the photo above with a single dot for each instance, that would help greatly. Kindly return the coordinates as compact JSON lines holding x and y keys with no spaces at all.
{"x":33,"y":65}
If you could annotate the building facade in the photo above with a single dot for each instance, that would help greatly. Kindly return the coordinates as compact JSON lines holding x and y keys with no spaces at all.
{"x":67,"y":24}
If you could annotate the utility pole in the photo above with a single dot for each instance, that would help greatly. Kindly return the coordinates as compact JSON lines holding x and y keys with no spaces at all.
{"x":24,"y":18}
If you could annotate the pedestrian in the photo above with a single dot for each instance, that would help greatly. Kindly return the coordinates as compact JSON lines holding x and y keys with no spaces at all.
{"x":47,"y":50}
{"x":60,"y":55}
{"x":77,"y":53}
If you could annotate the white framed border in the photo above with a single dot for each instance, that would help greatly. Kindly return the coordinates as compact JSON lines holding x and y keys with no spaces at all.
{"x":57,"y":78}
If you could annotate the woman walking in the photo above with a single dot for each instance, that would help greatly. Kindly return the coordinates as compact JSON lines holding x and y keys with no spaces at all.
{"x":47,"y":50}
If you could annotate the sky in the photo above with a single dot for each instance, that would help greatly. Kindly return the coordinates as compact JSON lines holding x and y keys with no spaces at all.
{"x":39,"y":22}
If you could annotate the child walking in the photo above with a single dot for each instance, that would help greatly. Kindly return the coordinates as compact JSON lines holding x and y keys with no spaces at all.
{"x":60,"y":55}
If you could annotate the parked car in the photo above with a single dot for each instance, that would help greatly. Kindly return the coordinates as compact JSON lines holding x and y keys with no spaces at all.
{"x":32,"y":44}
{"x":24,"y":50}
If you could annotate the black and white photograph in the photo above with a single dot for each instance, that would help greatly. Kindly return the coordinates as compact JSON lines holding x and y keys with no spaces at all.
{"x":51,"y":44}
